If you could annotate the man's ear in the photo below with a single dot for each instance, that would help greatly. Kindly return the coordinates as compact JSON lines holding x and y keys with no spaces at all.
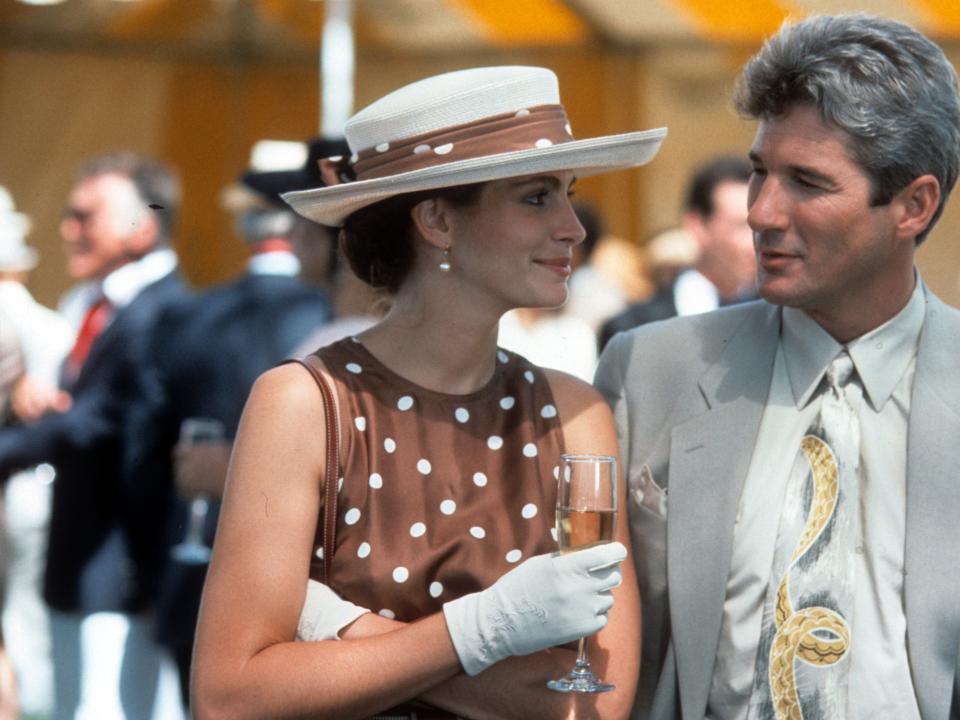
{"x":430,"y":218}
{"x":915,"y":206}
{"x":144,"y":235}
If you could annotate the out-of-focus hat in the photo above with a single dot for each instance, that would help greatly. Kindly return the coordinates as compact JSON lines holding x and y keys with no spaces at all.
{"x":15,"y":254}
{"x":257,"y":188}
{"x":672,"y":248}
{"x":466,"y":127}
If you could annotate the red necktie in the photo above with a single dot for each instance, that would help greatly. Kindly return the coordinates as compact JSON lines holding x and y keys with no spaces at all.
{"x":93,"y":323}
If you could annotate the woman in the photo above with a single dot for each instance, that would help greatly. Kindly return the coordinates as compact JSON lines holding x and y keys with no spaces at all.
{"x":458,"y":205}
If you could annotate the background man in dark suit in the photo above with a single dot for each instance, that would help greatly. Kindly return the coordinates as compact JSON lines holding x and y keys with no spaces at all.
{"x":206,"y":355}
{"x":116,"y":230}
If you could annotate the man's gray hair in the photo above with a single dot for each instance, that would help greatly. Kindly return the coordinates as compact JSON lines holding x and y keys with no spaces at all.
{"x":886,"y":85}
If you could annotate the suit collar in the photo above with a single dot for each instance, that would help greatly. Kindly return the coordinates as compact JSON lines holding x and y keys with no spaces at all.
{"x":932,"y":577}
{"x":709,"y":457}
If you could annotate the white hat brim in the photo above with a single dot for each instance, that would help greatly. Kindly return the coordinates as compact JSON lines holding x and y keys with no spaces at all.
{"x":332,"y":205}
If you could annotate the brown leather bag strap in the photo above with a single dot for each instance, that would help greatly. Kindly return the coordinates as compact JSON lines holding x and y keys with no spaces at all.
{"x":327,"y":528}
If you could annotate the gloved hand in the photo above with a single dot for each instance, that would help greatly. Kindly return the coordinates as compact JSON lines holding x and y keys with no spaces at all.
{"x":545,"y":601}
{"x":325,"y":613}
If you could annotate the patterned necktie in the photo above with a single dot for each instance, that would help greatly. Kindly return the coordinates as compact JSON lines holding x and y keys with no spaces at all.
{"x":803,"y":657}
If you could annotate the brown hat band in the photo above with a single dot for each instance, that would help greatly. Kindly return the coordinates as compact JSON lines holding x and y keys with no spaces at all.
{"x":536,"y":127}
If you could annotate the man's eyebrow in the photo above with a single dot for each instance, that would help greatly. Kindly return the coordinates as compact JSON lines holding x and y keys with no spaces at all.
{"x":803,"y":170}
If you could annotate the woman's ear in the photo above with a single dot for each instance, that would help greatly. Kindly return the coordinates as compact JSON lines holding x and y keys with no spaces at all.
{"x":917,"y":203}
{"x":431,"y":221}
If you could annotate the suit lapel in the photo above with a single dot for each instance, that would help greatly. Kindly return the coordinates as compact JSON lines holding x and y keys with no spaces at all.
{"x":709,"y":458}
{"x":932,"y":576}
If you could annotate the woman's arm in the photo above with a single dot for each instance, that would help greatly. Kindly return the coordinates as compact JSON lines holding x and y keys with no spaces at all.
{"x":246,"y":664}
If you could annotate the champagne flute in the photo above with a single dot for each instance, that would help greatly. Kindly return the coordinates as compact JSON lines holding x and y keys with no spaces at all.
{"x":193,"y":550}
{"x":586,"y":516}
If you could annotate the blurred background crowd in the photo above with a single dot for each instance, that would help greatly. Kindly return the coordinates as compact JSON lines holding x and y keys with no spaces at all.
{"x":149,"y":270}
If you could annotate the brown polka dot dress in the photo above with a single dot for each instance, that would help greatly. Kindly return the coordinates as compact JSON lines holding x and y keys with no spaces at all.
{"x":442,"y":494}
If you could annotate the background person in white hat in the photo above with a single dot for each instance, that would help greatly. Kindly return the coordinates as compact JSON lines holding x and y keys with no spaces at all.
{"x":44,"y":338}
{"x":458,"y":205}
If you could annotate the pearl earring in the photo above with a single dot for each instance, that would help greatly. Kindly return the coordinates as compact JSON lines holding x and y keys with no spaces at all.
{"x":445,"y":263}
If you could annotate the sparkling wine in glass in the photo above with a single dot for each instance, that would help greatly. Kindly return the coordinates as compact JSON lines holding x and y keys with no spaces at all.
{"x":586,"y":516}
{"x":192,"y":550}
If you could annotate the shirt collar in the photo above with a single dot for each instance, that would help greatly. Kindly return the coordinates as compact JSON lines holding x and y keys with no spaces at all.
{"x":881,"y":356}
{"x":277,"y":262}
{"x":125,"y":283}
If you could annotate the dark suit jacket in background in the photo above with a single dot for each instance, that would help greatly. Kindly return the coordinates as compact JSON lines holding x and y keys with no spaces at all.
{"x":207,"y":353}
{"x":91,"y":565}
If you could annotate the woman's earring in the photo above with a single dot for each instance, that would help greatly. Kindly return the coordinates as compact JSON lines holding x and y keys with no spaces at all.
{"x":445,"y":263}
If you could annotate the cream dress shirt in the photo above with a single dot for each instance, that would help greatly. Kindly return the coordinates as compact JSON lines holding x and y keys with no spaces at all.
{"x":881,"y":686}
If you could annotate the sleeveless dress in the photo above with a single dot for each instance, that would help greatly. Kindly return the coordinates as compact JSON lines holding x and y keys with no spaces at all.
{"x":442,"y":494}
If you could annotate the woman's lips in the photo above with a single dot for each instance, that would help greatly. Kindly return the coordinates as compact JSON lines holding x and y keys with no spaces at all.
{"x":561,"y":266}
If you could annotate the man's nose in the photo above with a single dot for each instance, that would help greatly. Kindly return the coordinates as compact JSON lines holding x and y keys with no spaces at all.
{"x":767,"y":206}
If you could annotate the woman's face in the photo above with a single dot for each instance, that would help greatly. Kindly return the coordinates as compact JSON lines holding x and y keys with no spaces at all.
{"x":515,"y":242}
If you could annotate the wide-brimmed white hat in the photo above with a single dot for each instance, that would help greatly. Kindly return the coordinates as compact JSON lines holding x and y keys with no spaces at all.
{"x":14,"y":226}
{"x":466,"y":127}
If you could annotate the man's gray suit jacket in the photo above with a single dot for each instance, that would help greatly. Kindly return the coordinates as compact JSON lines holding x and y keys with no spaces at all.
{"x":688,"y":395}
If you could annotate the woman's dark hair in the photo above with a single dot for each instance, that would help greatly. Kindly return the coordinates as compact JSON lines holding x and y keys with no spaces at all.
{"x":378,"y":240}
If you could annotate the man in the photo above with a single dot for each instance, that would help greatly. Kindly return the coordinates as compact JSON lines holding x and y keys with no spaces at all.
{"x":208,"y":351}
{"x":97,"y":580}
{"x":716,"y":216}
{"x":824,"y":587}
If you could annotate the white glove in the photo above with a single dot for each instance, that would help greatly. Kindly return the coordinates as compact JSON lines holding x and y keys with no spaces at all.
{"x":325,"y":613}
{"x":545,"y":601}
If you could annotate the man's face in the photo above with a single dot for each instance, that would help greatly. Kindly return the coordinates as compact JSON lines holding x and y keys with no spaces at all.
{"x":728,"y":233}
{"x":820,"y":245}
{"x":103,"y":226}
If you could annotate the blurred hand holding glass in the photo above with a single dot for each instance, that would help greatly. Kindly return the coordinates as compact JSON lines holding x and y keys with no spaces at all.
{"x":586,"y":516}
{"x":193,"y":550}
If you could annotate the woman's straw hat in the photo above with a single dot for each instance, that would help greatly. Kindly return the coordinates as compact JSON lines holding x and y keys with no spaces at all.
{"x":466,"y":127}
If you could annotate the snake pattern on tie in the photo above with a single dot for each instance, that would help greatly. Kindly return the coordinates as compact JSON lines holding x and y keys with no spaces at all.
{"x":817,"y":636}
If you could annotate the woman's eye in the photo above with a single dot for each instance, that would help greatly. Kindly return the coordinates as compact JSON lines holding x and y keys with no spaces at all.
{"x":537,"y":198}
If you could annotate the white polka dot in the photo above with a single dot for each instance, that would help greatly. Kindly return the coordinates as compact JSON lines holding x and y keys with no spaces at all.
{"x":320,"y":552}
{"x":529,"y":376}
{"x":529,"y":511}
{"x":354,"y":368}
{"x":443,"y":149}
{"x":514,"y":555}
{"x":352,"y":516}
{"x":354,"y":157}
{"x":556,"y":472}
{"x":389,"y":444}
{"x":478,"y":532}
{"x":335,"y":158}
{"x":543,"y":143}
{"x":448,"y":507}
{"x":339,"y":484}
{"x":494,"y":442}
{"x":507,"y":402}
{"x":568,"y":129}
{"x":503,"y":357}
{"x":400,"y":574}
{"x":387,"y":613}
{"x":405,"y":403}
{"x":530,"y":450}
{"x":364,"y":550}
{"x":423,"y":466}
{"x":383,"y":147}
{"x":417,"y":529}
{"x":436,"y":589}
{"x":421,"y":149}
{"x":354,"y":338}
{"x":479,"y":479}
{"x":522,"y":113}
{"x":361,"y":423}
{"x":376,"y":481}
{"x":462,"y":414}
{"x":553,"y":533}
{"x":548,"y":411}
